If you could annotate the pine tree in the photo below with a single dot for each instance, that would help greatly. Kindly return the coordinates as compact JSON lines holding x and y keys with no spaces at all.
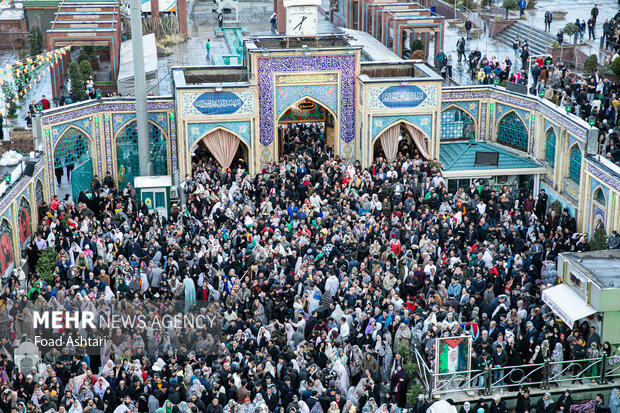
{"x":77,"y":82}
{"x":35,"y":42}
{"x":599,"y":240}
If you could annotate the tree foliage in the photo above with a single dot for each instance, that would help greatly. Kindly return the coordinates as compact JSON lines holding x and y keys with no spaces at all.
{"x":570,"y":29}
{"x":46,"y":264}
{"x":411,"y":370}
{"x":35,"y":42}
{"x":86,"y":69}
{"x":590,"y":65}
{"x":417,"y":45}
{"x":599,"y":240}
{"x":510,"y":5}
{"x":77,"y":82}
{"x":615,"y":66}
{"x":9,"y":95}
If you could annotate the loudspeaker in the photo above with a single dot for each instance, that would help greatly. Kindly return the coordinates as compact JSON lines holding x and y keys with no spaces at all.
{"x":29,"y":169}
{"x":487,"y":158}
{"x":516,"y":87}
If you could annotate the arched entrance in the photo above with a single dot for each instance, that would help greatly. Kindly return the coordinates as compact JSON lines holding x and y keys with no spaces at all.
{"x":223,"y":148}
{"x":400,"y":137}
{"x":128,"y":164}
{"x":72,"y":153}
{"x":306,"y":124}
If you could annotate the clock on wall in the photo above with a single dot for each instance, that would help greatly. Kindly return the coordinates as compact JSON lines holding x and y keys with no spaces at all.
{"x":302,"y":18}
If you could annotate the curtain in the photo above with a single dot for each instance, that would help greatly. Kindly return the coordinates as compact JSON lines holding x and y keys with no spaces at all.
{"x":419,"y":139}
{"x":223,"y":146}
{"x":389,"y":142}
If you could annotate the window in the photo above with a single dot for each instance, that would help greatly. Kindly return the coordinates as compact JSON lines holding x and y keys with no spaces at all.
{"x":550,"y":149}
{"x":599,"y":196}
{"x":160,"y":200}
{"x":574,"y":169}
{"x":72,"y":148}
{"x":457,"y":124}
{"x":511,"y":131}
{"x":39,"y":192}
{"x":128,"y":163}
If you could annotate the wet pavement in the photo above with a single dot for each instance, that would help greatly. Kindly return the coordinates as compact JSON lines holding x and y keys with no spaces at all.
{"x":255,"y":17}
{"x":493,"y":47}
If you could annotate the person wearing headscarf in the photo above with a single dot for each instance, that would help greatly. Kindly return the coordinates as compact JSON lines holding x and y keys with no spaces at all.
{"x":166,"y":408}
{"x":614,"y":401}
{"x":545,"y":404}
{"x":557,"y":357}
{"x":100,"y":387}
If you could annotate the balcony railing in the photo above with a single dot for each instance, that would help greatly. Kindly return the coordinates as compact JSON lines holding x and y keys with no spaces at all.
{"x":541,"y":375}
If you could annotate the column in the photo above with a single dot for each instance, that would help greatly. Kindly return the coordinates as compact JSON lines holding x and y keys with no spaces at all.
{"x":155,"y":17}
{"x":182,"y":16}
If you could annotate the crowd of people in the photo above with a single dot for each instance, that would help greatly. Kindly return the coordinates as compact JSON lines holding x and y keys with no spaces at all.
{"x":593,"y":98}
{"x":320,"y":272}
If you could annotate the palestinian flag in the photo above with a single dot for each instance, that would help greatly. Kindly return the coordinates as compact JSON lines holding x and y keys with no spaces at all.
{"x":452,"y":355}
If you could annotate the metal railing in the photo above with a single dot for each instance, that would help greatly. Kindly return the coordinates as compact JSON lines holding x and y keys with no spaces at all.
{"x":541,"y":375}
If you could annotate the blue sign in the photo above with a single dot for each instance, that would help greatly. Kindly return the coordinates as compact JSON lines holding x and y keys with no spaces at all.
{"x":402,"y":96}
{"x":218,"y":103}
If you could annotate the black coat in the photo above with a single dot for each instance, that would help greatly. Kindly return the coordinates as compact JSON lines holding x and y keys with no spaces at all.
{"x":523,"y":403}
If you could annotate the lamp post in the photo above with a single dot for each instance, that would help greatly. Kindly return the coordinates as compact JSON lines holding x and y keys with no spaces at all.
{"x":144,"y":151}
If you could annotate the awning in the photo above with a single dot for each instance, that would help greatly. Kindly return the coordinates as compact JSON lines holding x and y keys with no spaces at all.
{"x":567,"y":304}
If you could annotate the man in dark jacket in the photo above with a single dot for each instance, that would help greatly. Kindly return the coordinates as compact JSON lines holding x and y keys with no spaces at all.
{"x":564,"y":402}
{"x":500,"y":359}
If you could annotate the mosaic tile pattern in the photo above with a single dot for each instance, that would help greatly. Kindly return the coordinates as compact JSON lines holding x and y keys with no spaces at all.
{"x":326,"y":95}
{"x":594,"y":185}
{"x":104,"y":107}
{"x":603,"y":177}
{"x":174,"y":160}
{"x":188,"y":99}
{"x":483,"y":122}
{"x":424,"y":122}
{"x":345,"y":64}
{"x":196,"y":131}
{"x":527,"y":103}
{"x":98,"y":143}
{"x":11,"y":194}
{"x":119,"y":120}
{"x":430,"y":101}
{"x":469,"y":106}
{"x":504,"y":109}
{"x":84,"y":123}
{"x":107,"y":132}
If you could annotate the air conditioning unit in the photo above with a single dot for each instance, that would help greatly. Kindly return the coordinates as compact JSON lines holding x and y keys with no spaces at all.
{"x":174,"y":192}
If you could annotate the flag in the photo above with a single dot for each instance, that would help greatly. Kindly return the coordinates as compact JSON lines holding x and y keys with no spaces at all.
{"x":452,"y":355}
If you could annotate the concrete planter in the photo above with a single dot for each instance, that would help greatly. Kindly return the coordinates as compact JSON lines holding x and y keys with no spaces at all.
{"x":559,"y":14}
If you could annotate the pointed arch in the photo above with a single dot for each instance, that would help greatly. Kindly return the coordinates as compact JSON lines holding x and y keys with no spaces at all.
{"x":574,"y":165}
{"x":308,"y":97}
{"x":512,"y":131}
{"x":332,"y":130}
{"x":71,"y":148}
{"x":457,"y":128}
{"x":222,"y":148}
{"x":225,"y":129}
{"x":24,"y":221}
{"x":133,"y":120}
{"x":125,"y":147}
{"x":425,"y":137}
{"x":7,"y":256}
{"x":599,"y":196}
{"x":39,"y":192}
{"x":551,"y":138}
